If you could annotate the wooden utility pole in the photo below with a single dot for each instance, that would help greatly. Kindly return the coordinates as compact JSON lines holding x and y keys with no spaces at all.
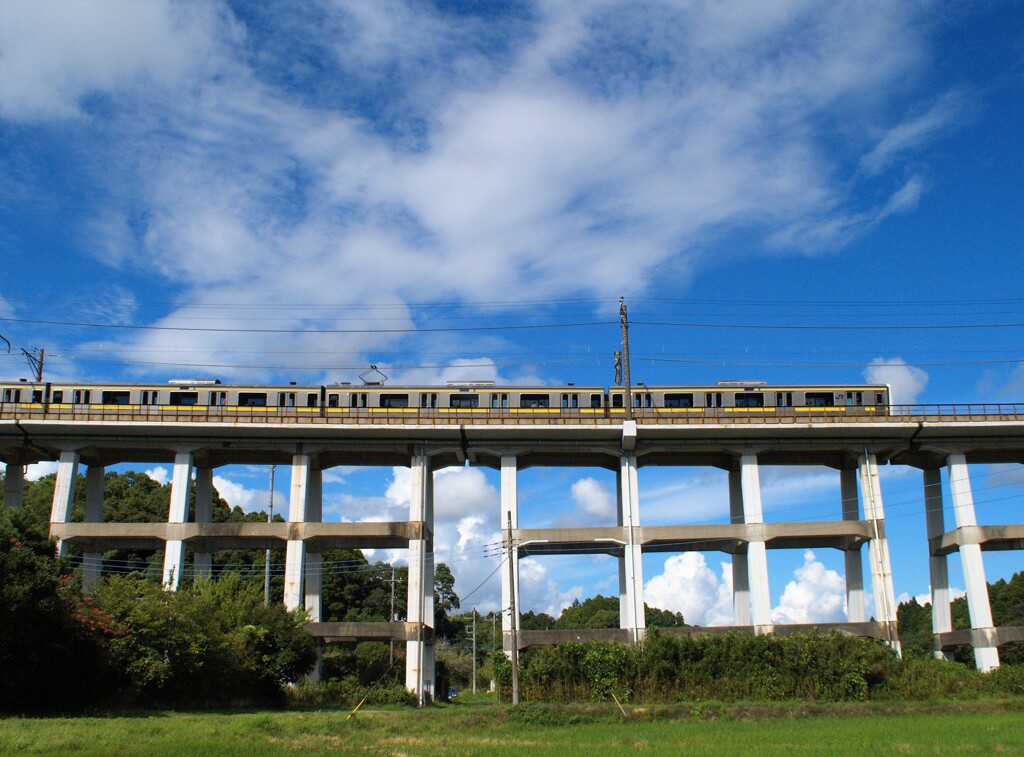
{"x":514,"y":620}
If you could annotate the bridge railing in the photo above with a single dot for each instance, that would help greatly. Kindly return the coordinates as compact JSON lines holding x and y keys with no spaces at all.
{"x":162,"y":414}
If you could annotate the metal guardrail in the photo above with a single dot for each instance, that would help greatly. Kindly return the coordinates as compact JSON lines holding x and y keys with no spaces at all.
{"x":479,"y":417}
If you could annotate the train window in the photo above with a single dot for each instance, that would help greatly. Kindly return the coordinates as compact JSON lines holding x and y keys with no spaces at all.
{"x":819,"y":399}
{"x":37,"y":395}
{"x":252,"y":399}
{"x":676,"y":399}
{"x":184,"y":398}
{"x":332,"y":400}
{"x":311,"y":399}
{"x":145,"y":397}
{"x":878,"y":398}
{"x":58,"y":396}
{"x":534,"y":400}
{"x":464,"y":400}
{"x":394,"y":400}
{"x":10,"y":394}
{"x":116,"y":397}
{"x":749,"y":399}
{"x":595,"y":401}
{"x":616,"y":400}
{"x":428,"y":400}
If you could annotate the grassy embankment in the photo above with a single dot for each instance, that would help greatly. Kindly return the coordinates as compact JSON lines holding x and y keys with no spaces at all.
{"x":476,"y":726}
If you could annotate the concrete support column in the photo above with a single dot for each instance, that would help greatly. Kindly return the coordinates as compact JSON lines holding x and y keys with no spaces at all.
{"x":203,"y":561}
{"x":938,"y":565}
{"x":64,"y":492}
{"x":740,"y":567}
{"x":856,"y":611}
{"x":881,"y":568}
{"x":419,"y":654}
{"x":631,"y":572}
{"x":181,"y":487}
{"x":295,"y":554}
{"x":14,"y":486}
{"x":757,"y":557}
{"x":986,"y":654}
{"x":92,"y":562}
{"x":314,"y":567}
{"x":509,"y":506}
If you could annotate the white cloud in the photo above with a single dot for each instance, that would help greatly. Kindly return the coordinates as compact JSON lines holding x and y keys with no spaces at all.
{"x":160,"y":474}
{"x":907,"y":382}
{"x":816,"y":595}
{"x":925,"y":598}
{"x":511,"y":158}
{"x":250,"y":500}
{"x":540,"y":593}
{"x":594,"y":499}
{"x":36,"y":471}
{"x":689,"y":586}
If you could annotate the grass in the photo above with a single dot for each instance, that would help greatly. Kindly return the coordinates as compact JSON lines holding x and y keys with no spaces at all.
{"x":477,"y":726}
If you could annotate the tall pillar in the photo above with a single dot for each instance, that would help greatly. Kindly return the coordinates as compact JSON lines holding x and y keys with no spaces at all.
{"x":856,"y":612}
{"x":509,"y":507}
{"x":986,"y":654}
{"x":314,"y":567}
{"x":203,"y":561}
{"x":64,"y":492}
{"x":881,"y":569}
{"x":938,"y":565}
{"x":92,"y":562}
{"x":181,"y":487}
{"x":14,"y":486}
{"x":419,"y":653}
{"x":631,"y":573}
{"x":295,"y":554}
{"x":740,"y":567}
{"x":757,"y":557}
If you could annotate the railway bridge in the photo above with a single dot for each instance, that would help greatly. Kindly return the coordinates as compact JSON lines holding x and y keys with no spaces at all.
{"x":196,"y":440}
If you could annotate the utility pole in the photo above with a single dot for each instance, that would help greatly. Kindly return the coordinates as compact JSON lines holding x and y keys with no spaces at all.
{"x":270,"y":519}
{"x":474,"y":650}
{"x":514,"y":621}
{"x":35,"y":362}
{"x":624,"y":320}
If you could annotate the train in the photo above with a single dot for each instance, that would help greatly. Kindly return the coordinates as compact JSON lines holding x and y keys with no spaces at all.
{"x":197,"y":395}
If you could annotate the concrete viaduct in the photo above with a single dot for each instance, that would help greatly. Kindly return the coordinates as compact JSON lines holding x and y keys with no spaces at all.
{"x":198,"y":440}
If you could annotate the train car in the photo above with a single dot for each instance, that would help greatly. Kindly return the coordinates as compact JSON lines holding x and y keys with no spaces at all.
{"x":756,"y":397}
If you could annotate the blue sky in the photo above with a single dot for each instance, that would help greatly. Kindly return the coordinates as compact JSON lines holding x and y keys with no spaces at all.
{"x":301,"y":176}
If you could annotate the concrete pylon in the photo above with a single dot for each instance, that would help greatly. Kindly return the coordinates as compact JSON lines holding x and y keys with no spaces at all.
{"x":881,"y":569}
{"x":986,"y":654}
{"x":938,"y":565}
{"x":14,"y":486}
{"x":740,"y":567}
{"x":419,"y":652}
{"x":64,"y":493}
{"x":631,"y":569}
{"x":92,"y":562}
{"x":757,"y":556}
{"x":509,"y":507}
{"x":856,"y":612}
{"x":295,"y":554}
{"x":181,"y":487}
{"x":202,"y":562}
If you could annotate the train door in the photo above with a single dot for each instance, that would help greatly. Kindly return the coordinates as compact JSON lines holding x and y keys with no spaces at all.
{"x":712,"y":399}
{"x":499,"y":400}
{"x":570,"y":402}
{"x":428,"y":400}
{"x":358,"y":399}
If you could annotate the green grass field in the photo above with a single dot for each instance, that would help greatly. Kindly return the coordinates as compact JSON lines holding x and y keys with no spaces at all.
{"x":480,"y":727}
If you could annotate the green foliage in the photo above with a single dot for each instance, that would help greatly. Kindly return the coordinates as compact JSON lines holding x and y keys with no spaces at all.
{"x":51,"y":658}
{"x":212,"y":643}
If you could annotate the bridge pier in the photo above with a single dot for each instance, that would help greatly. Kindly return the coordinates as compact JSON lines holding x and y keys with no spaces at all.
{"x":986,"y":654}
{"x":64,"y":492}
{"x":856,"y":612}
{"x":938,"y":565}
{"x":202,"y":562}
{"x":14,"y":486}
{"x":419,"y":652}
{"x":631,"y":569}
{"x":881,"y":569}
{"x":181,"y":488}
{"x":92,"y":562}
{"x":745,"y":503}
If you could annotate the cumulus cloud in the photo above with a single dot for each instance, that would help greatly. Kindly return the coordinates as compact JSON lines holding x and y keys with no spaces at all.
{"x":160,"y":474}
{"x":816,"y":594}
{"x":237,"y":494}
{"x":36,"y":471}
{"x":906,"y":381}
{"x":541,"y":593}
{"x":688,"y":585}
{"x":594,"y":499}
